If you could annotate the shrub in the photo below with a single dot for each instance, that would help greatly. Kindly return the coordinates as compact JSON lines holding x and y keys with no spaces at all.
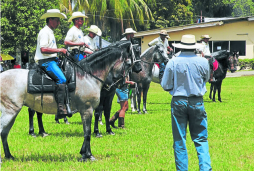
{"x":246,"y":63}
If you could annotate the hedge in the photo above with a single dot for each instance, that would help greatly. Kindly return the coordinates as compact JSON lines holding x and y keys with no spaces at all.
{"x":246,"y":63}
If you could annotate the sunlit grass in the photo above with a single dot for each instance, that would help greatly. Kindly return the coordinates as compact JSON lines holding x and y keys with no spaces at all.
{"x":146,"y":143}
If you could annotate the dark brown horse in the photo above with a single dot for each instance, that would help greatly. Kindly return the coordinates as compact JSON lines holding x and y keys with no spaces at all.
{"x":226,"y":62}
{"x":107,"y":94}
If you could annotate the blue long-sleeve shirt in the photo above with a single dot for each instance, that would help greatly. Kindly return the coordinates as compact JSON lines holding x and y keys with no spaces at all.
{"x":186,"y":75}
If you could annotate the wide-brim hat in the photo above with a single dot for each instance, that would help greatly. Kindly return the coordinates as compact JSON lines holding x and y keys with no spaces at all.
{"x":164,"y":32}
{"x":77,"y":15}
{"x":53,"y":13}
{"x":188,"y":41}
{"x":129,"y":31}
{"x":205,"y":36}
{"x":94,"y":29}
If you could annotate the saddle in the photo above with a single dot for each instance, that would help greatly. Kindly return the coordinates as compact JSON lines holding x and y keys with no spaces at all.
{"x":40,"y":82}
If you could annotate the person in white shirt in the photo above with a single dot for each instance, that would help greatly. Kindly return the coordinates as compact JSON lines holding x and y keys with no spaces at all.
{"x":163,"y":39}
{"x":75,"y":37}
{"x":89,"y":39}
{"x":46,"y":58}
{"x":205,"y":52}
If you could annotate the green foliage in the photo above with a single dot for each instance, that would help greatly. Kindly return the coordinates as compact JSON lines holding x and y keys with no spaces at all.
{"x":244,"y":63}
{"x":21,"y":23}
{"x":147,"y":142}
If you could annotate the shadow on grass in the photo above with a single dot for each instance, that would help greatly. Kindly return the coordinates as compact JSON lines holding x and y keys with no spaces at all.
{"x":46,"y":158}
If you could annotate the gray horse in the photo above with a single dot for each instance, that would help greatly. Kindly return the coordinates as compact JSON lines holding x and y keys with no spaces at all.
{"x":152,"y":55}
{"x":90,"y":77}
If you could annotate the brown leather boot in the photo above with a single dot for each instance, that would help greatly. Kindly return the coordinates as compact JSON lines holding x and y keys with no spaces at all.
{"x":113,"y":119}
{"x":121,"y":122}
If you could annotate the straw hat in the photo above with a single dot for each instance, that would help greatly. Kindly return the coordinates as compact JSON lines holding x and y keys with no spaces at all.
{"x":205,"y":36}
{"x":129,"y":30}
{"x":53,"y":13}
{"x":94,"y":29}
{"x":188,"y":41}
{"x":164,"y":32}
{"x":77,"y":15}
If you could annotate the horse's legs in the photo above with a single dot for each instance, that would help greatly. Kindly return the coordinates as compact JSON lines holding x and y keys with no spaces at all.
{"x":85,"y":151}
{"x":66,"y":121}
{"x":145,"y":91}
{"x":214,"y":91}
{"x":219,"y":90}
{"x":97,"y":113}
{"x":7,"y":121}
{"x":31,"y":113}
{"x":211,"y":90}
{"x":40,"y":123}
{"x":139,"y":100}
{"x":133,"y":100}
{"x":107,"y":108}
{"x":56,"y":119}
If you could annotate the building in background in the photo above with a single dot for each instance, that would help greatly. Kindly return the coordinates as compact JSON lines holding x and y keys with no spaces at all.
{"x":233,"y":34}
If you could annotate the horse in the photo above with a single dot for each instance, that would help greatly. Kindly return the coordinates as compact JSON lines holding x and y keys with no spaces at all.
{"x":226,"y":62}
{"x":107,"y":95}
{"x":91,"y":74}
{"x":154,"y":54}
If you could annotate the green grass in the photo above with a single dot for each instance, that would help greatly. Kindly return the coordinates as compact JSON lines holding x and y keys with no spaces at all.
{"x":147,"y":142}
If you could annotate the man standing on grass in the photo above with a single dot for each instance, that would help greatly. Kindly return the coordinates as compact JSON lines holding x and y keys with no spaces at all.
{"x":185,"y":77}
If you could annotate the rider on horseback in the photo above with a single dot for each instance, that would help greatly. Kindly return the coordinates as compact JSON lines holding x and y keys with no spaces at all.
{"x":46,"y":58}
{"x":162,"y":40}
{"x":89,"y":38}
{"x":205,"y":52}
{"x":75,"y":36}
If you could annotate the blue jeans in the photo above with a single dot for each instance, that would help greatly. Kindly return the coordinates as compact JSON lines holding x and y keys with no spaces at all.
{"x":190,"y":110}
{"x":122,"y":94}
{"x":79,"y":57}
{"x":53,"y":70}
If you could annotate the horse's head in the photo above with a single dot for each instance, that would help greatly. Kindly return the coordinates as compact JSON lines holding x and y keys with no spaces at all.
{"x":160,"y":54}
{"x":136,"y":58}
{"x":232,"y":61}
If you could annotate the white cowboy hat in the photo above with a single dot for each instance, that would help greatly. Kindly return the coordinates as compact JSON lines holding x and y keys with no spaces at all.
{"x":129,"y":30}
{"x":94,"y":29}
{"x":205,"y":36}
{"x":164,"y":32}
{"x":77,"y":15}
{"x":188,"y":41}
{"x":53,"y":13}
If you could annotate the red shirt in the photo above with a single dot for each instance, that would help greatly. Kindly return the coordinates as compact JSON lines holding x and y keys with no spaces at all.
{"x":16,"y":66}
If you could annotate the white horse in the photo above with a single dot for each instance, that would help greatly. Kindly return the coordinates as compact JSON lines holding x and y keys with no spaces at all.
{"x":90,"y":77}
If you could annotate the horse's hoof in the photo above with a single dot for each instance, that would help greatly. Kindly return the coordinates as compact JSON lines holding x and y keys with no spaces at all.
{"x":9,"y":157}
{"x":44,"y":134}
{"x":57,"y":122}
{"x":97,"y":135}
{"x":85,"y":159}
{"x":110,"y":132}
{"x":145,"y":112}
{"x":101,"y":123}
{"x":139,"y":112}
{"x":33,"y":135}
{"x":66,"y":122}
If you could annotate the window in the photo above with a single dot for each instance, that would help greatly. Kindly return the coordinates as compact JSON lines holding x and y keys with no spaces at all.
{"x":220,"y":45}
{"x":238,"y":46}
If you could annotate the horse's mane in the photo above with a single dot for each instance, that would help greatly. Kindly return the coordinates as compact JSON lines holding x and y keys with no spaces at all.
{"x":147,"y":50}
{"x":100,"y":59}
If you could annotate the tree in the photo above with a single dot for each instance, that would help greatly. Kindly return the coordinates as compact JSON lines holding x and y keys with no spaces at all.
{"x":115,"y":15}
{"x":172,"y":13}
{"x":20,"y":24}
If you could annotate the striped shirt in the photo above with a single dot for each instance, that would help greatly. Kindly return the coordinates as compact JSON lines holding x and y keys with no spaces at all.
{"x":186,"y":75}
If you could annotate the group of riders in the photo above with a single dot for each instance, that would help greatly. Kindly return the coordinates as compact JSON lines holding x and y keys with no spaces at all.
{"x":79,"y":46}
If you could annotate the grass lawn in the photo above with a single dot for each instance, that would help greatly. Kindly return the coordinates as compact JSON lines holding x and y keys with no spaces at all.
{"x":147,"y":142}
